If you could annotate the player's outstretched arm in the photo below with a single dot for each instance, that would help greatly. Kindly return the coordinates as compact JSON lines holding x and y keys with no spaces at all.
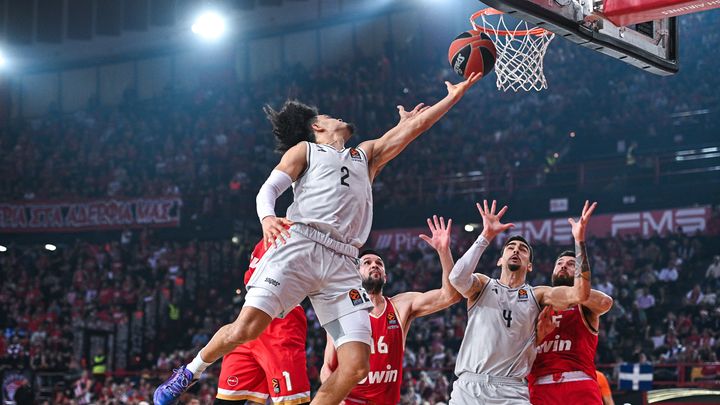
{"x":416,"y":304}
{"x":461,"y":276}
{"x":562,"y":297}
{"x":292,"y":164}
{"x":412,"y":123}
{"x":329,"y":360}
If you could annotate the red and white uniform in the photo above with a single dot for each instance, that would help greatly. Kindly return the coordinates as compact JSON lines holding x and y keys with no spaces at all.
{"x":271,"y":366}
{"x":564,"y":370}
{"x":382,"y":385}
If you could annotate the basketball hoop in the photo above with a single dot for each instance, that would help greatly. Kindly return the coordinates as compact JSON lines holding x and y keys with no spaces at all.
{"x":520,"y":51}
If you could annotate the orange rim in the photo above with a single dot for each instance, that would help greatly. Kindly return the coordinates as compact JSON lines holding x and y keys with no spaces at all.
{"x":491,"y":11}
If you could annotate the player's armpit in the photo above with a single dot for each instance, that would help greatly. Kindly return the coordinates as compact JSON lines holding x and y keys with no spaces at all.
{"x":478,"y":285}
{"x":598,"y":302}
{"x":294,"y":161}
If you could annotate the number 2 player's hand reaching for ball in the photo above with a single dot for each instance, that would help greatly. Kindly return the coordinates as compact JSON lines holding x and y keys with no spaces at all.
{"x":458,"y":90}
{"x":275,"y":228}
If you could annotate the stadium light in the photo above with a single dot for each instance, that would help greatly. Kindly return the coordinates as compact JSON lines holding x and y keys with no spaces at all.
{"x":3,"y":60}
{"x":50,"y":247}
{"x":209,"y":25}
{"x":3,"y":248}
{"x":469,"y":228}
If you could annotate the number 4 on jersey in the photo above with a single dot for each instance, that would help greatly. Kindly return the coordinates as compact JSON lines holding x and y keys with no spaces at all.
{"x":507,"y":316}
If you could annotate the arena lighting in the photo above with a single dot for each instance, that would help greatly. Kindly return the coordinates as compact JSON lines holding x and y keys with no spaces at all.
{"x":469,"y":228}
{"x":3,"y":248}
{"x":209,"y":25}
{"x":50,"y":247}
{"x":235,"y":240}
{"x":3,"y":61}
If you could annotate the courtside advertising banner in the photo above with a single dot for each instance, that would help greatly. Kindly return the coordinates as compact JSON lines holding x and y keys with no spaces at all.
{"x":89,"y":215}
{"x":557,"y":230}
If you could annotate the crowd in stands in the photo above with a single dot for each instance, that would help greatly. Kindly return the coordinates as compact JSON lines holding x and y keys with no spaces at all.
{"x":213,"y":146}
{"x":665,"y":311}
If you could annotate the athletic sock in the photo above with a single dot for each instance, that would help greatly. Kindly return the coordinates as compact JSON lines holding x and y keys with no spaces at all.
{"x":197,"y":366}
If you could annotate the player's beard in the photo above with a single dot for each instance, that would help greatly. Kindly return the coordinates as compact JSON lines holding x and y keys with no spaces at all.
{"x":373,"y":286}
{"x":558,"y":280}
{"x":350,"y":127}
{"x":513,"y":267}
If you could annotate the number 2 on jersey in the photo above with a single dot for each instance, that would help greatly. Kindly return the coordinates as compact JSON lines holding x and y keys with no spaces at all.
{"x":346,"y":174}
{"x":507,"y":316}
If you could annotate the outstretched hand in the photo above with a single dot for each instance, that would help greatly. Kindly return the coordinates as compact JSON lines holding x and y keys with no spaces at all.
{"x":407,"y":115}
{"x":491,"y":221}
{"x":578,"y":228}
{"x":441,"y":233}
{"x":458,"y":90}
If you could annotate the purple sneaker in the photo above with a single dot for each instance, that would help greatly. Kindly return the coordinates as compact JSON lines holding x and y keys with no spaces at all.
{"x":170,"y":391}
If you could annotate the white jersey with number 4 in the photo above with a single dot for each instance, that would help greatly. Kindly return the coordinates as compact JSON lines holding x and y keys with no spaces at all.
{"x":334,"y":194}
{"x":500,"y":335}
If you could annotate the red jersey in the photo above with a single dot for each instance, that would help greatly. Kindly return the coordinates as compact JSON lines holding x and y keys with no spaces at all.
{"x":569,"y":347}
{"x":255,"y":257}
{"x":382,"y":385}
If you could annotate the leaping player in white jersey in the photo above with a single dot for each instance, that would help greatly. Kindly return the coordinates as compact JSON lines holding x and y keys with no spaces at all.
{"x":329,"y":220}
{"x":498,"y":349}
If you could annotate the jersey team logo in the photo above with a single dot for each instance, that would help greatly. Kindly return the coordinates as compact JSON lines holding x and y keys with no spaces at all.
{"x":276,"y":385}
{"x":355,"y":155}
{"x":522,"y":294}
{"x":392,"y":321}
{"x":355,"y":297}
{"x":232,"y":381}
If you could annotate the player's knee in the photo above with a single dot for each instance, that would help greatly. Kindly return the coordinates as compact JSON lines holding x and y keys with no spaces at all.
{"x":358,"y":371}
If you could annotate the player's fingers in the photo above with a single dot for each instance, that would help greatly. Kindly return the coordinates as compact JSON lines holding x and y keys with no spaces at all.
{"x":425,"y":238}
{"x":492,"y":208}
{"x":401,"y":109}
{"x":590,"y":210}
{"x":502,"y":212}
{"x":442,"y":223}
{"x":422,"y":110}
{"x":436,"y":222}
{"x":482,"y":213}
{"x":430,"y":225}
{"x":505,"y":227}
{"x":449,"y":224}
{"x":418,"y":107}
{"x":485,"y":205}
{"x":572,"y":221}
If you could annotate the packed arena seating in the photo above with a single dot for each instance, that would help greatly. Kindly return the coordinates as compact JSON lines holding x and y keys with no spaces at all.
{"x":212,"y":146}
{"x":47,"y":295}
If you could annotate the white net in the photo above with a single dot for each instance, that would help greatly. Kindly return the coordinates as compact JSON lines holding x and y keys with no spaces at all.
{"x":520,"y":52}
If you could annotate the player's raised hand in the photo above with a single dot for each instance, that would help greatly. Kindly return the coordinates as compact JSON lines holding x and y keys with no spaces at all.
{"x":491,"y":220}
{"x":441,"y":233}
{"x":458,"y":90}
{"x":275,"y":228}
{"x":408,"y":115}
{"x":578,"y":228}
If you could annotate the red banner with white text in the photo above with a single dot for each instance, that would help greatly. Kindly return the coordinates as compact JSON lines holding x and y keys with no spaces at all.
{"x":557,"y":230}
{"x":75,"y":216}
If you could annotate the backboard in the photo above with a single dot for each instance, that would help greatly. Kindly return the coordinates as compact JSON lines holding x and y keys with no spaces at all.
{"x":651,"y":46}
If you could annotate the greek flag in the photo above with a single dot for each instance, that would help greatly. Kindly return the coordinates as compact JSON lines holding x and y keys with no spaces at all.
{"x":636,"y":377}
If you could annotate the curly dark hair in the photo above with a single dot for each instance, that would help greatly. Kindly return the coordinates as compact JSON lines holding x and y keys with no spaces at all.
{"x":292,"y":124}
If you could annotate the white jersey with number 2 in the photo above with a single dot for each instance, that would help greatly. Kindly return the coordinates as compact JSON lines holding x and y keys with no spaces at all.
{"x":334,"y":194}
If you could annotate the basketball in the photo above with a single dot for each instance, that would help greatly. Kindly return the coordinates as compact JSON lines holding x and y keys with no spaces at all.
{"x":470,"y":52}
